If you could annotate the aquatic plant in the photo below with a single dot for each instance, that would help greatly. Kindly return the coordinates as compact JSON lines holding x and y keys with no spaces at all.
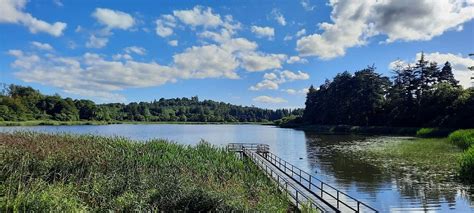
{"x":467,"y":165}
{"x":50,"y":172}
{"x":433,"y":132}
{"x":463,"y":138}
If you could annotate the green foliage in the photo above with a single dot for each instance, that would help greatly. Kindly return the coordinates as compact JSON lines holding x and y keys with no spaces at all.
{"x":46,"y":172}
{"x":467,"y":165}
{"x":18,"y":103}
{"x":433,"y":132}
{"x":463,"y":138}
{"x":419,"y":95}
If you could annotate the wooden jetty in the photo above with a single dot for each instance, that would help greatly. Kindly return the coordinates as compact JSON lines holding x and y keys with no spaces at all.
{"x":304,"y":190}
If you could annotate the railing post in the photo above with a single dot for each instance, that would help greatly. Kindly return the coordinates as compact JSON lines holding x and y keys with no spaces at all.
{"x":322,"y":189}
{"x":297,"y":201}
{"x":358,"y":206}
{"x":337,"y":199}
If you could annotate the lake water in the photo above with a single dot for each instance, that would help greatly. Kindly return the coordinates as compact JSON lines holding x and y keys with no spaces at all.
{"x":312,"y":152}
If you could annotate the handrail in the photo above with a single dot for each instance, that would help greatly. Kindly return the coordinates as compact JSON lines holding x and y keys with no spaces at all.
{"x":298,"y":194}
{"x":286,"y":167}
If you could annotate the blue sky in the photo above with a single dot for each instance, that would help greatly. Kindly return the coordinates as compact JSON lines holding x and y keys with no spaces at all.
{"x":262,"y":53}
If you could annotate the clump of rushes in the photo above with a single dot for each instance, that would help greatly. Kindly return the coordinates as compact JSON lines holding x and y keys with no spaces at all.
{"x":48,"y":172}
{"x":463,"y":138}
{"x":467,"y":165}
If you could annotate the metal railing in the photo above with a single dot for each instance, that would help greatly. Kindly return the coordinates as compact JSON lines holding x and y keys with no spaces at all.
{"x":318,"y":187}
{"x":239,"y":147}
{"x":298,"y":197}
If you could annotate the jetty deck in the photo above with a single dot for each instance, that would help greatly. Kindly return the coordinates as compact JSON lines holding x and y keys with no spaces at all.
{"x":304,"y":190}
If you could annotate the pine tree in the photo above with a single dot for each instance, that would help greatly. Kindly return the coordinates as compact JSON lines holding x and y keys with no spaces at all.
{"x":446,"y":75}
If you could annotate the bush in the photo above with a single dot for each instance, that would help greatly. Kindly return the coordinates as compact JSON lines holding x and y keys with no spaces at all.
{"x":467,"y":165}
{"x":433,"y":132}
{"x":463,"y":138}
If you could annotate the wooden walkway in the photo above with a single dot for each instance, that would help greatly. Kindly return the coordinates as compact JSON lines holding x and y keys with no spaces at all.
{"x":304,"y":190}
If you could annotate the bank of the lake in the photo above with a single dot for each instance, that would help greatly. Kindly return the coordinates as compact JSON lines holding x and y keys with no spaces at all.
{"x":92,"y":122}
{"x":58,"y":172}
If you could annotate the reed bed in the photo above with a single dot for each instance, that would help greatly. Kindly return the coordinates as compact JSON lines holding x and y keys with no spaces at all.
{"x":60,"y":172}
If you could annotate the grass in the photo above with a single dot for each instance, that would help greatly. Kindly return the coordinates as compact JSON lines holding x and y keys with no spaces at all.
{"x":68,"y":123}
{"x":434,"y":157}
{"x":463,"y":138}
{"x":433,"y":132}
{"x":49,"y":172}
{"x":467,"y":165}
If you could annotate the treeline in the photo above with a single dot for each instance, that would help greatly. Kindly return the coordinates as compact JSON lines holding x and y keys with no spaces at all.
{"x":419,"y":95}
{"x":19,"y":103}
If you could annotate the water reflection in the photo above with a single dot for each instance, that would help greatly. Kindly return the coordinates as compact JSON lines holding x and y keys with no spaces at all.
{"x":387,"y":189}
{"x":383,"y":189}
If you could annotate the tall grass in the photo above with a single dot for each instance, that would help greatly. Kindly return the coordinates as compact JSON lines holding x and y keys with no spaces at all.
{"x":463,"y":138}
{"x":47,"y":172}
{"x":467,"y":165}
{"x":433,"y":132}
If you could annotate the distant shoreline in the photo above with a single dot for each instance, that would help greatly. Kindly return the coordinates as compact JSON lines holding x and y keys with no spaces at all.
{"x":72,"y":123}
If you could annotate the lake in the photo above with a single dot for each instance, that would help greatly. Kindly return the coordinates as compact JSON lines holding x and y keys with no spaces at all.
{"x":312,"y":152}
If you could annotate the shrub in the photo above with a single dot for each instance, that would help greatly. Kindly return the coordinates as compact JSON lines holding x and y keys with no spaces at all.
{"x":433,"y":132}
{"x":463,"y":138}
{"x":467,"y":165}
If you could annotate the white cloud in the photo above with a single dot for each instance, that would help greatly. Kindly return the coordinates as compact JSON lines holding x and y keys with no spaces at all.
{"x":207,"y":61}
{"x":307,"y":5}
{"x":276,"y":14}
{"x":122,"y":56}
{"x":353,"y":22}
{"x":199,"y":16}
{"x":113,"y":18}
{"x":58,"y":3}
{"x":11,"y":11}
{"x":296,"y":59}
{"x":254,"y":61}
{"x":296,"y":92}
{"x":173,"y":43}
{"x":165,"y":25}
{"x":42,"y":46}
{"x":287,"y":38}
{"x":300,"y":33}
{"x":459,"y":64}
{"x":265,"y":84}
{"x":269,"y":99}
{"x":272,"y":81}
{"x":263,"y":32}
{"x":135,"y":49}
{"x":96,"y":42}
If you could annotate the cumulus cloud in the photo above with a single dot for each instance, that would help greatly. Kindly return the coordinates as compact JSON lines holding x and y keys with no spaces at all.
{"x":122,"y":56}
{"x":207,"y":61}
{"x":353,"y":22}
{"x":459,"y":64}
{"x":301,"y":32}
{"x":11,"y":11}
{"x":135,"y":49}
{"x":296,"y":92}
{"x":271,"y":81}
{"x":296,"y":59}
{"x":173,"y":43}
{"x":263,"y":32}
{"x":276,"y":14}
{"x":254,"y":61}
{"x":96,"y":42}
{"x":269,"y":99}
{"x":42,"y":46}
{"x":113,"y":19}
{"x":165,"y":25}
{"x":198,"y":16}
